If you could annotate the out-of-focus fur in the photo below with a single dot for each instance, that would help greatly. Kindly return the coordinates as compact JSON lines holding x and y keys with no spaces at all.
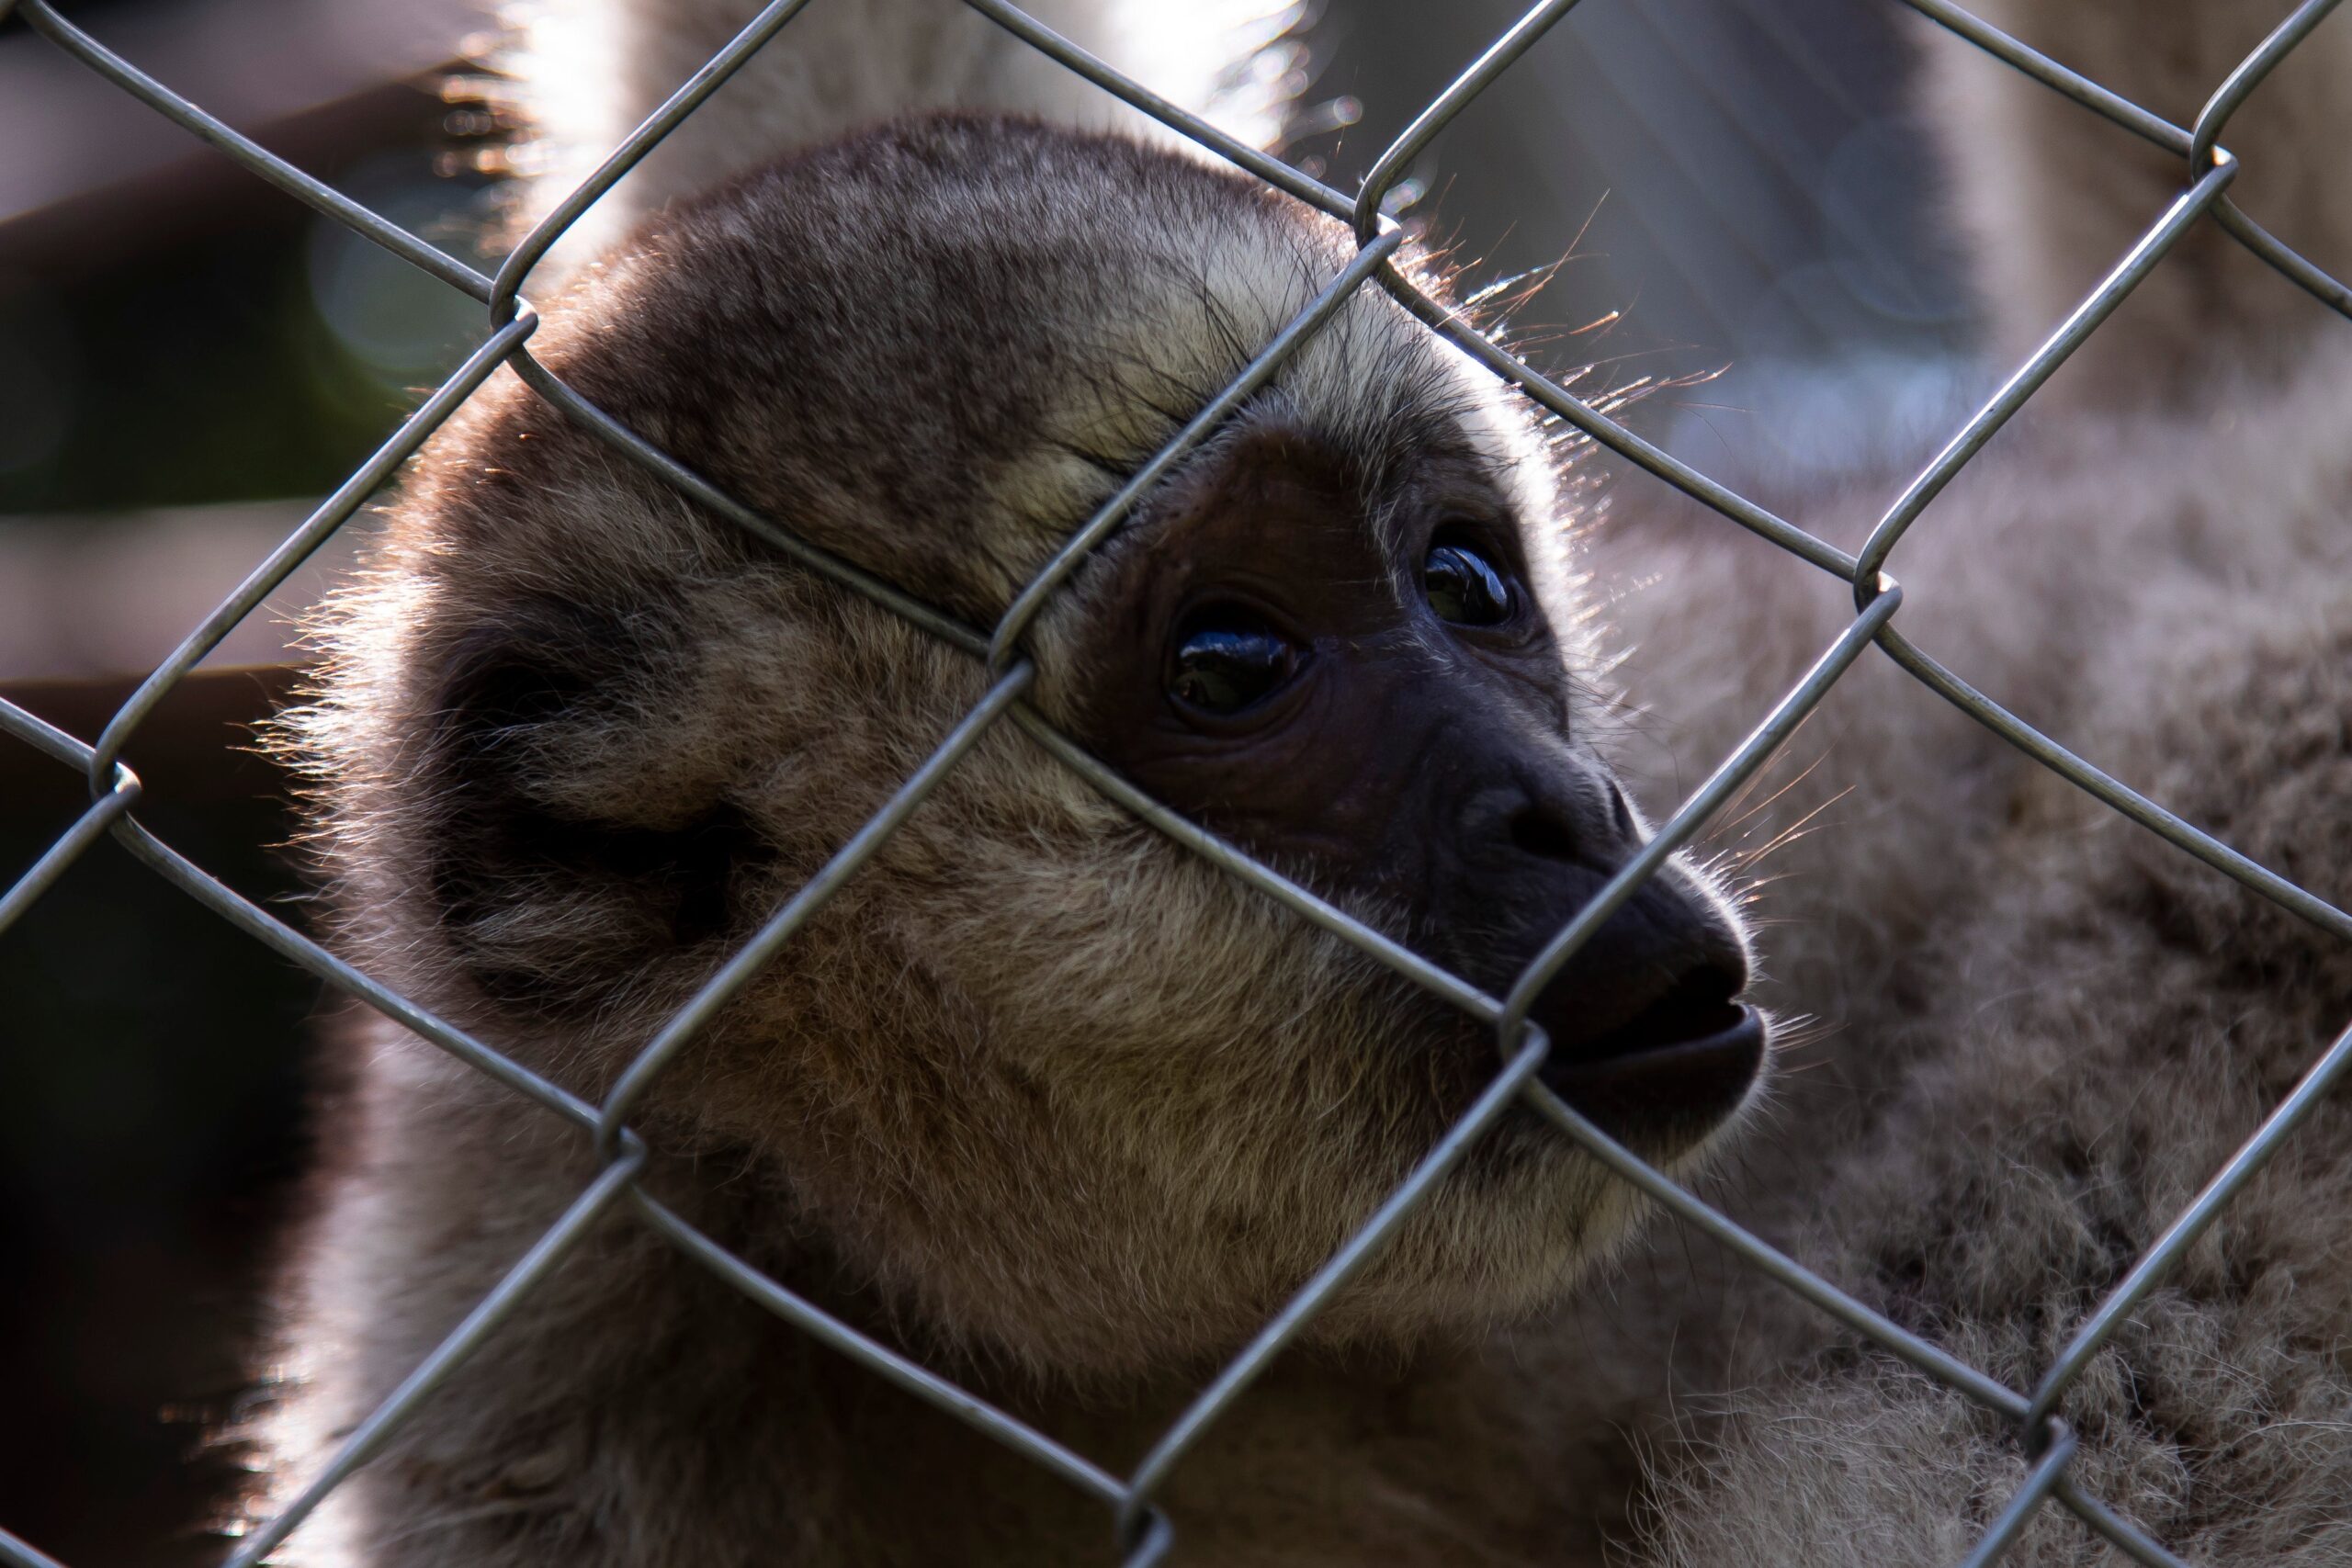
{"x":2042,"y":1028}
{"x":2156,"y":568}
{"x":587,"y":73}
{"x":2048,"y":196}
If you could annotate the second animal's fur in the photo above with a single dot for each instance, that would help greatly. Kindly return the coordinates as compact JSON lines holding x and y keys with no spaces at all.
{"x":2097,"y":1021}
{"x":580,"y":733}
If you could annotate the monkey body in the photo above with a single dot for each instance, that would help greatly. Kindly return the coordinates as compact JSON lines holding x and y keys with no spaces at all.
{"x":577,"y":739}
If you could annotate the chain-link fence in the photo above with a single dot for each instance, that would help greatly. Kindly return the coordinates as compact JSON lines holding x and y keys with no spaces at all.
{"x":1143,"y":1532}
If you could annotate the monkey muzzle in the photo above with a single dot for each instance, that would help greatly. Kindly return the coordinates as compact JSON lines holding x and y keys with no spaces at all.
{"x":1649,"y":1036}
{"x":1679,"y":1064}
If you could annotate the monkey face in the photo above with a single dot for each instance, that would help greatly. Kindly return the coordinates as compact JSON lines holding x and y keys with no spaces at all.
{"x":1038,"y":1078}
{"x":1386,"y":710}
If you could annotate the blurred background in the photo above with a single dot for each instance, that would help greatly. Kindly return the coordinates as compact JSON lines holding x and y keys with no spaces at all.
{"x":1730,"y":195}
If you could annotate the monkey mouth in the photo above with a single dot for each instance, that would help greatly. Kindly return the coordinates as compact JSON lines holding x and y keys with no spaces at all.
{"x":1685,"y":1060}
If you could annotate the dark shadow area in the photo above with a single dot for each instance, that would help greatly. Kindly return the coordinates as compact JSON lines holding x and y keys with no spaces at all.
{"x":152,"y":1128}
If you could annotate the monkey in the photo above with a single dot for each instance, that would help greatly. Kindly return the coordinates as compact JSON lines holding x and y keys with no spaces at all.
{"x":582,"y":74}
{"x":1048,"y":1104}
{"x":951,"y":1106}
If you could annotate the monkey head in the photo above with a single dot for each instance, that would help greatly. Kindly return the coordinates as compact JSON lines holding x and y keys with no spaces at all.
{"x":1043,"y":1081}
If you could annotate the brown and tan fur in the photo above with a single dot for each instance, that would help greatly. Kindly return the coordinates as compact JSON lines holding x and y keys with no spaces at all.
{"x":1050,"y":1104}
{"x":2163,"y":581}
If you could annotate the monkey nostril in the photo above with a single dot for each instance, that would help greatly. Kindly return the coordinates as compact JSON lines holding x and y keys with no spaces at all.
{"x":1538,"y":832}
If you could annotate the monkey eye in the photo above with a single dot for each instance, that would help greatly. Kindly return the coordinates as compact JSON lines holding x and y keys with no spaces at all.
{"x":1463,"y":586}
{"x":1228,"y":659}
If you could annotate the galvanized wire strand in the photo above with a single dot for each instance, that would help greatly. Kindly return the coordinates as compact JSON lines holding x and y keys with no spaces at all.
{"x":67,"y":848}
{"x":298,"y":546}
{"x":111,"y":813}
{"x":1260,"y":369}
{"x":1414,"y":139}
{"x":630,"y":444}
{"x":2318,"y":284}
{"x":1608,"y":432}
{"x":505,"y":290}
{"x":1345,"y":1265}
{"x":14,"y":1550}
{"x":1438,"y":981}
{"x":287,"y":943}
{"x":2086,"y":318}
{"x":2162,"y":132}
{"x":755,"y":954}
{"x":2050,"y":74}
{"x":1272,"y":169}
{"x":247,"y":917}
{"x":2047,"y":1471}
{"x":2242,"y":82}
{"x":1159,"y":1540}
{"x":1704,"y":802}
{"x":2113,"y":1527}
{"x":506,"y":300}
{"x":2099,"y":786}
{"x":1980,"y":427}
{"x":249,"y":153}
{"x":1774,"y":1264}
{"x":1771,"y":1261}
{"x":2233,"y":92}
{"x":449,"y":1355}
{"x":1324,"y":198}
{"x":43,"y":736}
{"x":2160,"y":1258}
{"x":912,"y":1376}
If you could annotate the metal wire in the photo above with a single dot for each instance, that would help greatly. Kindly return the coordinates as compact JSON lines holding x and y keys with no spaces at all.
{"x":1141,"y":1532}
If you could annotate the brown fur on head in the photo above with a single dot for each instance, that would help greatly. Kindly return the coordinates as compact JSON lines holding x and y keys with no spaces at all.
{"x":1037,"y":1074}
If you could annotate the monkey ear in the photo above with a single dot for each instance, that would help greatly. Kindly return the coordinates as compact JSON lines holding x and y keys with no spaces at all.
{"x":557,"y":859}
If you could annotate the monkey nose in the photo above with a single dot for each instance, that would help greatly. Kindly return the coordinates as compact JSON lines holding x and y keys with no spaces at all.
{"x":1646,"y":1019}
{"x":1683,"y":1053}
{"x":1576,"y":818}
